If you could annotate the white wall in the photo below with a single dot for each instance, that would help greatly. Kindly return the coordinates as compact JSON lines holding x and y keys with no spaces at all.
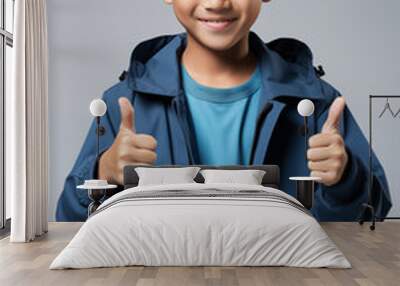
{"x":90,"y":43}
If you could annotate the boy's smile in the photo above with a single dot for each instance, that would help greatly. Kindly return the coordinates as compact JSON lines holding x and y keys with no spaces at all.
{"x":217,"y":24}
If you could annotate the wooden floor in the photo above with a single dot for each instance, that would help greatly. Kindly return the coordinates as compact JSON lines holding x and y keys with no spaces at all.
{"x":375,"y":257}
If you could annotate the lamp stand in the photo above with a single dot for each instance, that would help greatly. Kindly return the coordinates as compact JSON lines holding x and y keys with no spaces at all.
{"x":100,"y":130}
{"x":305,"y":138}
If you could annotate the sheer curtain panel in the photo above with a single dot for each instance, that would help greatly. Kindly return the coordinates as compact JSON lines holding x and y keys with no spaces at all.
{"x":27,"y":123}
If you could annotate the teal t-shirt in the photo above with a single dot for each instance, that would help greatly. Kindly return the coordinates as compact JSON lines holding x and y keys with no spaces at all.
{"x":224,"y":119}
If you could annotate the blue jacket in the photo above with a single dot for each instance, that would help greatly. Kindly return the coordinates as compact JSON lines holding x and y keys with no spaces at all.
{"x":153,"y":85}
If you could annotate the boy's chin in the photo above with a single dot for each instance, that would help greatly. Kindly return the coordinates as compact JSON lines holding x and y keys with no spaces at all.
{"x":217,"y":43}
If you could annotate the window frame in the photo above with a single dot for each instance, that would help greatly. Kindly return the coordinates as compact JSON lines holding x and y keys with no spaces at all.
{"x":6,"y":39}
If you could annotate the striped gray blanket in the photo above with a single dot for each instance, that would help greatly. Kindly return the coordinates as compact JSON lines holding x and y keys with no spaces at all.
{"x":206,"y":194}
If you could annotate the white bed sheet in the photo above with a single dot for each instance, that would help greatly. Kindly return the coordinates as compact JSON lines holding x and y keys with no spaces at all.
{"x":200,"y":232}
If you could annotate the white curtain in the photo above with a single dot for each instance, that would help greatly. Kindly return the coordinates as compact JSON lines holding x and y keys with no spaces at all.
{"x":27,"y":126}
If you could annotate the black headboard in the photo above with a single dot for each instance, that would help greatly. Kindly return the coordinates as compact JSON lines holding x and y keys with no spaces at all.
{"x":271,"y":177}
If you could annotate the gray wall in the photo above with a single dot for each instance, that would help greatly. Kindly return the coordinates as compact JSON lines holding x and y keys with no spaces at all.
{"x":90,"y":43}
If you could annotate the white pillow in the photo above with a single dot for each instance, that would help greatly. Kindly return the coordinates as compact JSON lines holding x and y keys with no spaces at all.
{"x":248,"y":177}
{"x":162,"y":176}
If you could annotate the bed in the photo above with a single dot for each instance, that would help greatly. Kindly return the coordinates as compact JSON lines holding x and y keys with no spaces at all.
{"x":201,"y":224}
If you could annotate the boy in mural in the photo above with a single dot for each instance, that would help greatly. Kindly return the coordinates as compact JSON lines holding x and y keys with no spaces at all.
{"x":219,"y":95}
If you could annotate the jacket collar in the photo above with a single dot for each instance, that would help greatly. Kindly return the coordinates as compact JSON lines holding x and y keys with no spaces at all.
{"x":286,"y":66}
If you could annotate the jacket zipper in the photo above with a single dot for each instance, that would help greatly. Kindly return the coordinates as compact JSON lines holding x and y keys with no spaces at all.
{"x":259,"y":123}
{"x":180,"y":103}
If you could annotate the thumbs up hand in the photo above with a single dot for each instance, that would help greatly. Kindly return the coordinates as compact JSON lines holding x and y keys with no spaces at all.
{"x":128,"y":147}
{"x":327,"y":156}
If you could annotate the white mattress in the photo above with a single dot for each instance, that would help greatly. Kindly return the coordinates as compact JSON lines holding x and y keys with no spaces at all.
{"x":201,"y":231}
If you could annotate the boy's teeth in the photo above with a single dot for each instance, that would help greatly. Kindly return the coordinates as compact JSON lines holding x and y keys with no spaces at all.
{"x":216,"y":21}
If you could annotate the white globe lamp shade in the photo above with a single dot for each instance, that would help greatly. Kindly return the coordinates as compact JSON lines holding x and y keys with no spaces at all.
{"x":98,"y":107}
{"x":305,"y":107}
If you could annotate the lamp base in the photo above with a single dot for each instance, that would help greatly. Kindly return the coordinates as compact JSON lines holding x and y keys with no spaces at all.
{"x":305,"y":190}
{"x":95,"y":195}
{"x":97,"y":190}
